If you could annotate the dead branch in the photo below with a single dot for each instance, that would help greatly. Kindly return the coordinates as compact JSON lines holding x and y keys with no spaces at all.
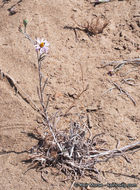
{"x":126,"y":175}
{"x":118,"y":152}
{"x":125,"y":92}
{"x":129,"y":81}
{"x":121,"y":91}
{"x":117,"y":65}
{"x":19,"y":90}
{"x":11,"y":9}
{"x":122,"y":63}
{"x":77,"y":97}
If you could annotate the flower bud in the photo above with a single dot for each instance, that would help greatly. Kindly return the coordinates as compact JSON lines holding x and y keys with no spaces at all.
{"x":25,"y":22}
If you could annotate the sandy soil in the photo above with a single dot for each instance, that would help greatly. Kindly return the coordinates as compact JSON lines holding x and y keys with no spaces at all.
{"x":72,"y":63}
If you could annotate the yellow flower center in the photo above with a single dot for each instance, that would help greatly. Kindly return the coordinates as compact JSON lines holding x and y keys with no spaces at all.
{"x":42,"y":44}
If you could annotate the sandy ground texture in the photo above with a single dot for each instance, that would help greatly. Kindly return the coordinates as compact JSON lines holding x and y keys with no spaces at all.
{"x":73,"y":63}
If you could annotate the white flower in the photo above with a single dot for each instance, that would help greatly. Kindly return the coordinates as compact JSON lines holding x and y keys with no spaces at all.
{"x":42,"y":46}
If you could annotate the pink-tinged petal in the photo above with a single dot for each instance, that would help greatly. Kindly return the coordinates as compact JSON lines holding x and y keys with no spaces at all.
{"x":47,"y":43}
{"x":37,"y":47}
{"x":44,"y":50}
{"x":41,"y":51}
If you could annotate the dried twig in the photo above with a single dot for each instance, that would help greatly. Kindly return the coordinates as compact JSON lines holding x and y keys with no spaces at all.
{"x":131,"y":70}
{"x":122,"y":63}
{"x":77,"y":97}
{"x":121,"y":91}
{"x":117,"y":65}
{"x":11,"y":9}
{"x":126,"y":175}
{"x":96,"y":2}
{"x":72,"y":185}
{"x":18,"y":90}
{"x":125,"y":92}
{"x":82,"y":74}
{"x":129,"y":81}
{"x":118,"y":152}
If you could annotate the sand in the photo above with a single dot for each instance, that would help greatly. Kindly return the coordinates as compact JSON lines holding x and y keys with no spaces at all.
{"x":72,"y":64}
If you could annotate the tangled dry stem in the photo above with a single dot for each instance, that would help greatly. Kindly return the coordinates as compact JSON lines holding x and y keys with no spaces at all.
{"x":117,"y":65}
{"x":93,"y":27}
